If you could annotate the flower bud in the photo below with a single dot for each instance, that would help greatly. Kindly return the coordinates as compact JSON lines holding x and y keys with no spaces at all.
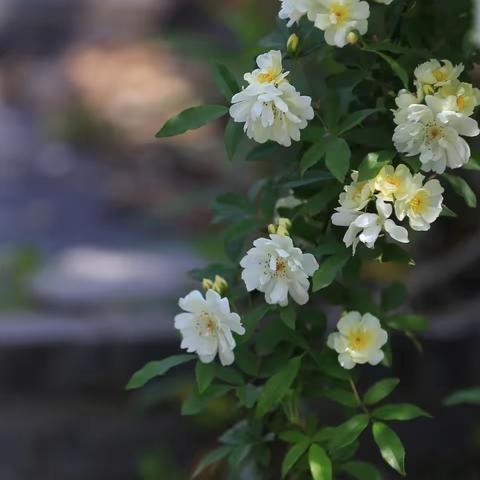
{"x":272,"y":228}
{"x":292,"y":43}
{"x":284,"y":225}
{"x":352,"y":38}
{"x":220,"y":285}
{"x":207,"y":284}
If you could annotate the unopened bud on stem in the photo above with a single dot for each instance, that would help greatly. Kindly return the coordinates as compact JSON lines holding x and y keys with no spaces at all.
{"x":292,"y":43}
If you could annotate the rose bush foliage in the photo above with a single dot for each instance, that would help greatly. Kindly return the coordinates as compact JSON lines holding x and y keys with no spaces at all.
{"x":365,"y":111}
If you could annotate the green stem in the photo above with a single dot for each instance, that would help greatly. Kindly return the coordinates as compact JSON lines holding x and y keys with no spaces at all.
{"x":357,"y":396}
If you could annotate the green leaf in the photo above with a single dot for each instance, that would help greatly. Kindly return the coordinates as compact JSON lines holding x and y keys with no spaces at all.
{"x":229,"y":375}
{"x":251,"y":320}
{"x":348,"y":432}
{"x":156,"y":369}
{"x":292,"y":436}
{"x":277,"y":387}
{"x":394,"y":296}
{"x":210,"y":458}
{"x":355,"y":118}
{"x":399,"y":411}
{"x":361,"y":470}
{"x":314,"y":154}
{"x":447,"y":212}
{"x":233,"y":135}
{"x":468,"y":396}
{"x":293,"y":456}
{"x":329,"y":270}
{"x":196,"y":402}
{"x":248,"y":395}
{"x":380,"y":390}
{"x":376,"y":137}
{"x":312,"y":133}
{"x":191,"y":119}
{"x":263,"y":151}
{"x":316,"y":177}
{"x":397,"y":69}
{"x":462,"y":188}
{"x":411,"y":323}
{"x":343,"y":397}
{"x":473,"y":164}
{"x":225,"y":81}
{"x":289,"y":315}
{"x":394,"y":253}
{"x":319,"y":202}
{"x":204,"y":374}
{"x":390,"y":446}
{"x":319,"y":462}
{"x":337,"y":158}
{"x":372,"y":164}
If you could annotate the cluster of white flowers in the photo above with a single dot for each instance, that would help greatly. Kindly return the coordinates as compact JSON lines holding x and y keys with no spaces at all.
{"x":359,"y":340}
{"x":270,"y":107}
{"x":431,"y":122}
{"x":392,"y":190}
{"x":337,"y":18}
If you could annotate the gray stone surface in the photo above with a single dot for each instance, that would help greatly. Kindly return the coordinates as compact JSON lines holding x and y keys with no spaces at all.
{"x":92,"y":276}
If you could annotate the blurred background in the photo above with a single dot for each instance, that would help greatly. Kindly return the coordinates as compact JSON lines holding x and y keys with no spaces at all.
{"x":100,"y":223}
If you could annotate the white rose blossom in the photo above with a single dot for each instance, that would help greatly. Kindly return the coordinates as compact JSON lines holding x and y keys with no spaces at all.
{"x":393,"y":183}
{"x":270,"y":106}
{"x":457,"y":97}
{"x":277,"y":268}
{"x":357,"y":195}
{"x":294,"y":10}
{"x":422,"y":204}
{"x":432,"y":75}
{"x":367,"y":227}
{"x":359,"y":340}
{"x":269,"y":71}
{"x":435,"y":135}
{"x":337,"y":18}
{"x":207,"y":325}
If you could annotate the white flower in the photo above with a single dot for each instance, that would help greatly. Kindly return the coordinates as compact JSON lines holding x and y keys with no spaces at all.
{"x":269,"y":71}
{"x":340,"y":17}
{"x":385,"y":2}
{"x":422,"y":204}
{"x":272,"y":112}
{"x":294,"y":10}
{"x":435,"y":136}
{"x":356,"y":195}
{"x":207,"y":325}
{"x":367,"y":227}
{"x":431,"y":75}
{"x":403,"y":100}
{"x":359,"y":340}
{"x":276,"y":267}
{"x":458,"y":97}
{"x":393,"y":183}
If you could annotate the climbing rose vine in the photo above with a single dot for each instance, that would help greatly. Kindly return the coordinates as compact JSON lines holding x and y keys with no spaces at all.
{"x":364,"y":112}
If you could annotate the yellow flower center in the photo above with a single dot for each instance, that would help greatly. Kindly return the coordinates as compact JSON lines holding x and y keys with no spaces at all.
{"x":269,"y":76}
{"x":460,"y":102}
{"x":434,"y":132}
{"x":440,"y":75}
{"x":393,"y":180}
{"x":419,"y":203}
{"x":357,"y":191}
{"x":207,"y":324}
{"x":281,"y":266}
{"x":359,"y":340}
{"x":338,"y":13}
